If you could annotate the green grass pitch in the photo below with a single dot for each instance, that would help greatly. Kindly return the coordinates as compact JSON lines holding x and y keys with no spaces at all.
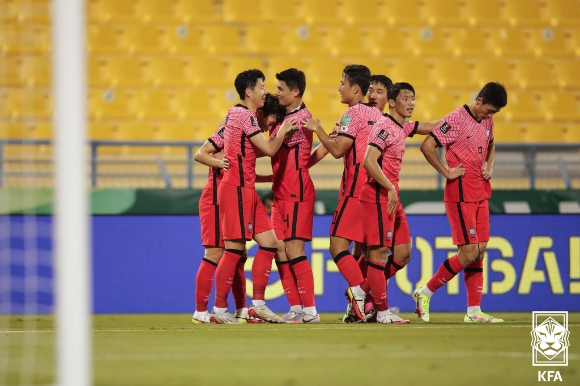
{"x":166,"y":349}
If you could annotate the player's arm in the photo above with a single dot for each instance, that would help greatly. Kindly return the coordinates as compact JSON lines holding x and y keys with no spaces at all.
{"x":270,"y":147}
{"x":425,"y":128}
{"x":263,"y":178}
{"x":429,"y":150}
{"x":371,"y":164}
{"x":337,"y":147}
{"x":317,"y":155}
{"x":487,"y":170}
{"x":206,"y":155}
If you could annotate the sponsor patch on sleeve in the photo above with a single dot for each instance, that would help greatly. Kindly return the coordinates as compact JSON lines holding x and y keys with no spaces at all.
{"x":253,"y":121}
{"x":445,"y":127}
{"x":344,"y":123}
{"x":221,"y":132}
{"x":383,"y":135}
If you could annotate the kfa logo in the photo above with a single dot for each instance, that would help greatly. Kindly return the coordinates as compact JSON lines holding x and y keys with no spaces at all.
{"x":549,"y":376}
{"x":550,"y":338}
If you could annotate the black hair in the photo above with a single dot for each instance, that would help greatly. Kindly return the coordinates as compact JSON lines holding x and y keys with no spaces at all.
{"x":382,"y":79}
{"x":294,"y":79}
{"x":247,"y":79}
{"x":268,"y":196}
{"x":359,"y":75}
{"x":493,"y":93}
{"x":395,"y":89}
{"x":272,"y":106}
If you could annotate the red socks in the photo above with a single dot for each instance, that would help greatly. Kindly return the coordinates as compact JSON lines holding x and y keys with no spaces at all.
{"x":378,"y":283}
{"x":239,"y":285}
{"x":446,"y":272}
{"x":473,"y":276}
{"x":393,"y":266}
{"x":204,"y":283}
{"x":261,"y":271}
{"x":349,"y":269}
{"x":289,"y":283}
{"x":304,"y":279}
{"x":362,"y":264}
{"x":224,"y":276}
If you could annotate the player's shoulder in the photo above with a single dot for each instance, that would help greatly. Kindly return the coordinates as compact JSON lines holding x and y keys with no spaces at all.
{"x":300,"y":112}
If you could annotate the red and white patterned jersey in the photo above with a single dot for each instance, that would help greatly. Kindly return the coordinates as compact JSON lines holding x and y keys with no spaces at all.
{"x":209,"y":192}
{"x":292,"y":180}
{"x":466,"y":141}
{"x":241,"y":124}
{"x":356,"y":123}
{"x":388,"y":136}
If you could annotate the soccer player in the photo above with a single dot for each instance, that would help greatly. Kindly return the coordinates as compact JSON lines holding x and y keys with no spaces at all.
{"x":210,"y":154}
{"x":467,"y":134}
{"x":350,"y":144}
{"x":294,"y":195}
{"x":241,"y":212}
{"x":377,"y":95}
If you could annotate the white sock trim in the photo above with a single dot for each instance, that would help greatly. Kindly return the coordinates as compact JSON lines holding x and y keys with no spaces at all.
{"x":472,"y":309}
{"x":426,"y":291}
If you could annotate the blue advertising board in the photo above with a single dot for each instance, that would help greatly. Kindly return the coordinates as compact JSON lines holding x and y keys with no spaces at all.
{"x":145,"y":264}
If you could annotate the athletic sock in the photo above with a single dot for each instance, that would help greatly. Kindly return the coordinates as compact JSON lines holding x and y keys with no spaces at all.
{"x":378,"y":284}
{"x":204,"y":283}
{"x":261,"y":271}
{"x":362,"y":265}
{"x":473,"y":276}
{"x":239,"y":285}
{"x":297,"y":309}
{"x":311,"y":310}
{"x":224,"y":276}
{"x":392,"y":267}
{"x":304,"y":280}
{"x":349,"y":269}
{"x":241,"y":312}
{"x":289,"y":283}
{"x":472,"y":309}
{"x":446,"y":272}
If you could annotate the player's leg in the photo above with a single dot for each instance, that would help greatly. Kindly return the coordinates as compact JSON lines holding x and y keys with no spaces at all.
{"x":360,"y":257}
{"x":401,"y":250}
{"x":204,"y":283}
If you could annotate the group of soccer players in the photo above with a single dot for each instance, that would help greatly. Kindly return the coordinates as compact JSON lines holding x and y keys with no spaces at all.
{"x":369,"y":213}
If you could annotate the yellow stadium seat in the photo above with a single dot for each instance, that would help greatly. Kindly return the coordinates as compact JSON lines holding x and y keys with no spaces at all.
{"x":152,"y":104}
{"x":143,"y":39}
{"x":42,"y":130}
{"x":305,"y":41}
{"x":208,"y":72}
{"x":116,"y":11}
{"x":567,"y":73}
{"x":549,"y":43}
{"x":452,"y":73}
{"x":561,"y":106}
{"x":157,"y":11}
{"x":125,"y":72}
{"x":414,"y":71}
{"x":109,"y":104}
{"x":428,"y":42}
{"x":572,"y":133}
{"x":10,"y":71}
{"x":96,"y":76}
{"x":197,"y":11}
{"x":15,"y":130}
{"x":237,"y":65}
{"x":176,"y":131}
{"x":346,"y":41}
{"x":324,"y":104}
{"x":433,"y":105}
{"x":355,"y":14}
{"x":377,"y":66}
{"x":4,"y":113}
{"x":104,"y":39}
{"x":278,"y":64}
{"x":135,"y":131}
{"x":223,"y":100}
{"x":493,"y":70}
{"x":523,"y":13}
{"x":534,"y":73}
{"x":29,"y":103}
{"x":442,"y":12}
{"x":274,"y":11}
{"x":167,"y":71}
{"x":395,"y":15}
{"x":193,"y":104}
{"x":239,"y":11}
{"x":575,"y":40}
{"x":508,"y":133}
{"x":325,"y":72}
{"x":223,"y":39}
{"x":24,"y":38}
{"x":36,"y":70}
{"x":510,"y":42}
{"x":388,"y":41}
{"x":470,"y":42}
{"x":265,"y":40}
{"x":100,"y":131}
{"x":544,"y":133}
{"x":483,"y":13}
{"x":522,"y":106}
{"x":33,"y":10}
{"x":7,"y":12}
{"x":563,"y":13}
{"x":205,"y":130}
{"x":183,"y":40}
{"x":320,"y":12}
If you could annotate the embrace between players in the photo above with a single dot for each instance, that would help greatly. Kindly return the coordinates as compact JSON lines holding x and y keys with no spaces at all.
{"x":369,"y":212}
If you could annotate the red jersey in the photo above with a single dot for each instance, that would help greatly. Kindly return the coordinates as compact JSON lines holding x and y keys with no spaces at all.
{"x":292,"y":180}
{"x":241,"y":124}
{"x":209,"y":192}
{"x":388,"y":136}
{"x":356,"y":123}
{"x":466,"y":140}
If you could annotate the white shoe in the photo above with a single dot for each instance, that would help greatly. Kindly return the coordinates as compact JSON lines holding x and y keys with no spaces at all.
{"x":291,"y":317}
{"x":223,"y":318}
{"x":199,"y":317}
{"x":357,"y":304}
{"x":307,"y":318}
{"x":388,"y":317}
{"x":264,"y":313}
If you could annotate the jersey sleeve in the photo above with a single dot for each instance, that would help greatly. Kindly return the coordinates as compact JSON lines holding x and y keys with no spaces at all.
{"x":410,"y":128}
{"x":217,"y":138}
{"x":351,"y":123}
{"x":490,"y":137}
{"x":380,"y":137}
{"x":250,"y":125}
{"x":447,"y":131}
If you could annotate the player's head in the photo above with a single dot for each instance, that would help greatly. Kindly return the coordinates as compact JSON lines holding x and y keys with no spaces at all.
{"x":490,"y":100}
{"x":268,"y":200}
{"x":270,"y":114}
{"x":377,"y":94}
{"x":291,"y":85}
{"x":401,"y":99}
{"x":355,"y":83}
{"x":250,"y":86}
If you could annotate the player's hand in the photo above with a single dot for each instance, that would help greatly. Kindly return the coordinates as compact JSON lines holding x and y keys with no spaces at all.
{"x":458,"y":171}
{"x":393,"y":199}
{"x":311,"y":124}
{"x":334,"y":132}
{"x":288,"y":127}
{"x":223,"y":162}
{"x":486,"y":174}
